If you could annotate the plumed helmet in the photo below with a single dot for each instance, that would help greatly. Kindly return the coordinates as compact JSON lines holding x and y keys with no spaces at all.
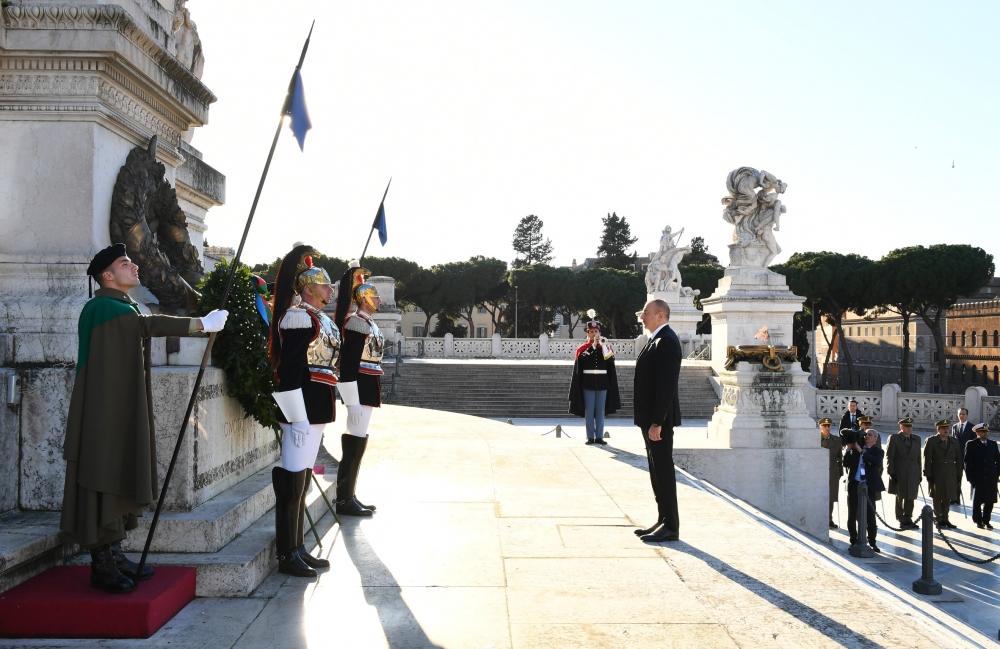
{"x":309,"y":274}
{"x":353,"y":288}
{"x":592,"y":321}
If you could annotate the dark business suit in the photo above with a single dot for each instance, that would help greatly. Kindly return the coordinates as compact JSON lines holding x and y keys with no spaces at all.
{"x":657,"y":370}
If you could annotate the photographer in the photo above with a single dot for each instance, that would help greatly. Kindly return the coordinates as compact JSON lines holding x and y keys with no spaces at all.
{"x":863,"y":464}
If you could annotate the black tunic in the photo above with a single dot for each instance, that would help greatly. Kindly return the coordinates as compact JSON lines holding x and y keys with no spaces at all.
{"x":293,"y":370}
{"x":589,"y":358}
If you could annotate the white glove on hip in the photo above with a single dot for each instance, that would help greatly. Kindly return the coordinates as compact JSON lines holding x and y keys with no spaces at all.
{"x":354,"y":416}
{"x":300,"y":429}
{"x":214,"y":321}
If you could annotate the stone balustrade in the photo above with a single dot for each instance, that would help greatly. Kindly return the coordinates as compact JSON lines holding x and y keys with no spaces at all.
{"x":891,"y":404}
{"x":543,"y":347}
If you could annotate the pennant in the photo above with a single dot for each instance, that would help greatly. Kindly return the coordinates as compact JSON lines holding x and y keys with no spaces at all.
{"x":297,"y":110}
{"x":379,"y":224}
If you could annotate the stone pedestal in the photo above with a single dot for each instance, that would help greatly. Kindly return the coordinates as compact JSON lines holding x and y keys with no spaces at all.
{"x":769,"y":453}
{"x":684,"y":316}
{"x":747,"y":299}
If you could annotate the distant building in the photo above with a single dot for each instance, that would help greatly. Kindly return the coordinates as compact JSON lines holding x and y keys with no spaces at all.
{"x":972,"y":345}
{"x":876,"y":348}
{"x":412,"y":323}
{"x":212,"y":255}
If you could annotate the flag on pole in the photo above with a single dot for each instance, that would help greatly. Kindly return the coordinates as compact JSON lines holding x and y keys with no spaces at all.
{"x":297,"y":110}
{"x":379,"y":224}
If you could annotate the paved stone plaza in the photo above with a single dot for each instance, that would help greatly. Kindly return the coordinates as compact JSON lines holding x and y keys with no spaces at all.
{"x":492,"y":535}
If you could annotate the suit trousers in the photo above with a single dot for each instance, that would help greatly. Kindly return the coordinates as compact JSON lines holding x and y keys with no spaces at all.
{"x":904,"y":509}
{"x":662,"y":477}
{"x":852,"y":514}
{"x":982,"y":508}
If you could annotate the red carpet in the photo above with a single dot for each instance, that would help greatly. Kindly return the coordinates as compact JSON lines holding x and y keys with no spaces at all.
{"x":60,"y":603}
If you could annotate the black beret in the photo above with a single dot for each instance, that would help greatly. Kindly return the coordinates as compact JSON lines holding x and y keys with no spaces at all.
{"x":105,"y":258}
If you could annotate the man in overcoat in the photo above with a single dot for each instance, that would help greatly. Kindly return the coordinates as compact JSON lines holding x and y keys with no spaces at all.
{"x":863,"y":464}
{"x":903,"y":458}
{"x":110,"y":445}
{"x":657,"y":411}
{"x":833,"y":443}
{"x":982,"y":468}
{"x":943,"y":468}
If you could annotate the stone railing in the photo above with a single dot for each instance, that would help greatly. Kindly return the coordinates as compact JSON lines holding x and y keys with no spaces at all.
{"x":542,"y":347}
{"x":891,"y":404}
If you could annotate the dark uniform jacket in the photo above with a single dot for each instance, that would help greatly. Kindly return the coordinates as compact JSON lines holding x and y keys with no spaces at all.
{"x":110,"y":445}
{"x":872,"y":457}
{"x":845,"y":421}
{"x":657,"y":370}
{"x":982,"y":468}
{"x":356,"y":331}
{"x":590,"y":358}
{"x":942,"y":466}
{"x":833,"y":442}
{"x":903,"y":457}
{"x":298,"y":328}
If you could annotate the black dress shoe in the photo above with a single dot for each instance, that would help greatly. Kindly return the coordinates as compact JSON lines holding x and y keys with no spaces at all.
{"x":351,"y":508}
{"x":981,"y":526}
{"x":910,"y":525}
{"x":589,"y":442}
{"x":662,"y":534}
{"x":988,"y":526}
{"x":648,"y":530}
{"x":950,"y":525}
{"x":601,"y":442}
{"x":311,"y":561}
{"x":875,"y":548}
{"x":833,"y":525}
{"x":292,"y":564}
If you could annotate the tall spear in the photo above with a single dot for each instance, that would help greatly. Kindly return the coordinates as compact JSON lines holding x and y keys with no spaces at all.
{"x":286,"y":109}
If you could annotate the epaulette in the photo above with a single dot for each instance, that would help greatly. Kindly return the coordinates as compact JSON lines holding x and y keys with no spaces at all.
{"x":358,"y":324}
{"x":296,"y":318}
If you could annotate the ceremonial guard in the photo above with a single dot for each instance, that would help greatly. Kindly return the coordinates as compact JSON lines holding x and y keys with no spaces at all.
{"x":360,"y":383}
{"x":303,"y":345}
{"x":110,"y":444}
{"x":903,"y":457}
{"x":833,"y":444}
{"x":593,"y":392}
{"x":942,"y":466}
{"x":982,"y":468}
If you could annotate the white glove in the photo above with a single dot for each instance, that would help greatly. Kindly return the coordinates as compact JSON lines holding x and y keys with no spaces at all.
{"x":214,"y":321}
{"x":354,"y":416}
{"x":300,"y":429}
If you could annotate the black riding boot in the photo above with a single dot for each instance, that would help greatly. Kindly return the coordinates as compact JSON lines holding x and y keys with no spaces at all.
{"x":128,"y":567}
{"x":286,"y":513}
{"x":300,"y":545}
{"x":347,"y":476}
{"x":104,"y":572}
{"x":361,"y":454}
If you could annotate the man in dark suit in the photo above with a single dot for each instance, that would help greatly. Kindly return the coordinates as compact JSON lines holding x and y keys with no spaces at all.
{"x":962,"y":429}
{"x":852,"y":416}
{"x":863,"y":464}
{"x":657,"y":411}
{"x":982,"y":467}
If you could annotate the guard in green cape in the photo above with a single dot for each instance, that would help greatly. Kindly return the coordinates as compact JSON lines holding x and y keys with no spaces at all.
{"x":110,"y":446}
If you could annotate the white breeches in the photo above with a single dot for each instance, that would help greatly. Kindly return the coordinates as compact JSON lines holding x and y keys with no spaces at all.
{"x":359,"y":428}
{"x":296,"y":458}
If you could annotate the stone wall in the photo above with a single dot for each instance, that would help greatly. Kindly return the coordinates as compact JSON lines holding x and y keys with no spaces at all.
{"x":221,"y":446}
{"x":543,"y":347}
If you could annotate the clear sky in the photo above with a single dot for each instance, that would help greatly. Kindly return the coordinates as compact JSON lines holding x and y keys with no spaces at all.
{"x":484,"y":112}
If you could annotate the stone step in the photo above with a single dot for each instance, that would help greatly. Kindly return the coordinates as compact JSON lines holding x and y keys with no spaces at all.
{"x":241,"y":565}
{"x":229,"y":539}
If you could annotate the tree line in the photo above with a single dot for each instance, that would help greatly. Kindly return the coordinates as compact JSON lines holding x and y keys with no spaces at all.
{"x":913,"y":282}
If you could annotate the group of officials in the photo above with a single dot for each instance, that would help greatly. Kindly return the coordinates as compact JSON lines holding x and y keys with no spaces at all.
{"x":110,"y":440}
{"x":856,"y":453}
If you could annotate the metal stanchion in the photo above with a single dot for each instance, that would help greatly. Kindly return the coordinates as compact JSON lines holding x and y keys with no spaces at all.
{"x":860,"y":548}
{"x":926,"y":585}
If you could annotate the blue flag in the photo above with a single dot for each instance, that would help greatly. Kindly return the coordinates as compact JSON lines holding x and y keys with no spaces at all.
{"x":297,"y":109}
{"x":379,"y":224}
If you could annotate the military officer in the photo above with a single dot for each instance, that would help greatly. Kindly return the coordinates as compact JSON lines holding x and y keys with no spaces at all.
{"x":833,"y":444}
{"x":982,"y":467}
{"x":903,"y":457}
{"x":942,"y":466}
